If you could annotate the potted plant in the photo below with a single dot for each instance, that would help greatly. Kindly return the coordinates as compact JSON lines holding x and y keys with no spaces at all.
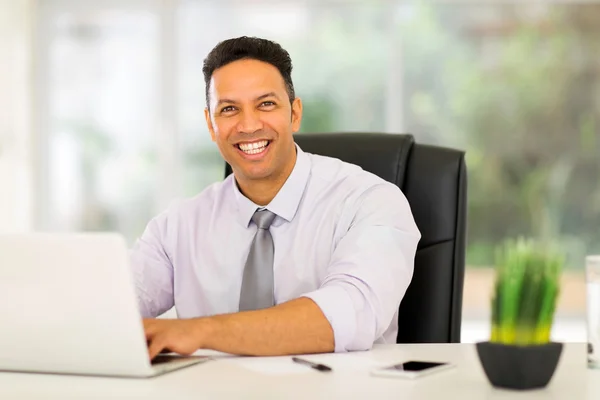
{"x":520,"y":354}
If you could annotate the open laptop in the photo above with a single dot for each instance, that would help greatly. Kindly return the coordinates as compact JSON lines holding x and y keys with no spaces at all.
{"x":68,"y":306}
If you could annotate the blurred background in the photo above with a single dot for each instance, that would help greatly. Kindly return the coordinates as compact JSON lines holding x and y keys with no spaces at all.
{"x":102,"y":126}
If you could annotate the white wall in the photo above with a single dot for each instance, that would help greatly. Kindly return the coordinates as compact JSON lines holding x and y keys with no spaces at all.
{"x":15,"y":115}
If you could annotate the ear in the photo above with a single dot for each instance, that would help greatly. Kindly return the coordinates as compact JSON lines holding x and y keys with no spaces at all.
{"x":209,"y":124}
{"x":296,"y":114}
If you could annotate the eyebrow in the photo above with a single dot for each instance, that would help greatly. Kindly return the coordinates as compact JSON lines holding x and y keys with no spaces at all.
{"x":270,"y":94}
{"x":261,"y":97}
{"x":222,"y":101}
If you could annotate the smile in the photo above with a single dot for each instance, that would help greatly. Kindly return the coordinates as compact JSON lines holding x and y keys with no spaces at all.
{"x":254,"y":147}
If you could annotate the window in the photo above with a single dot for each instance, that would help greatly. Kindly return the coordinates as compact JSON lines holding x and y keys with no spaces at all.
{"x":515,"y":85}
{"x":99,"y":124}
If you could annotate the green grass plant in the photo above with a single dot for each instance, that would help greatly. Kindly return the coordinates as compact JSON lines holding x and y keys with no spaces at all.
{"x":525,"y":292}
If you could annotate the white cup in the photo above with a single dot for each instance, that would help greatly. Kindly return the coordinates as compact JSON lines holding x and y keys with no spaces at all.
{"x":592,"y":278}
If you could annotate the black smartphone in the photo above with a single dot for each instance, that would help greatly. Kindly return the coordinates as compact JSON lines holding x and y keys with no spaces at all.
{"x":412,"y":369}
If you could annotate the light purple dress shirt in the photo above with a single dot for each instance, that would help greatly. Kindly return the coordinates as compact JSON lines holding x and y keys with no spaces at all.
{"x":343,"y":237}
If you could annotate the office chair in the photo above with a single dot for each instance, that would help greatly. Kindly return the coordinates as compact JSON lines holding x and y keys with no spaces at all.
{"x":434,"y":180}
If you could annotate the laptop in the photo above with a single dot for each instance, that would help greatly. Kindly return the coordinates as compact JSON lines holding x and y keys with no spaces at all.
{"x":68,"y":306}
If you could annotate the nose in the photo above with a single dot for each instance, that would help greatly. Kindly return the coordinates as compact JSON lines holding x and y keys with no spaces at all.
{"x":249,"y":122}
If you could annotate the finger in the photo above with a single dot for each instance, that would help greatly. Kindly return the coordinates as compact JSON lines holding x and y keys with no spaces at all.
{"x":149,"y":322}
{"x":150,"y":328}
{"x":156,"y":346}
{"x":149,"y":335}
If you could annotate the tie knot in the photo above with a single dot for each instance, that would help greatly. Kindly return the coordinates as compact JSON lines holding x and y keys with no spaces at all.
{"x":263,"y":218}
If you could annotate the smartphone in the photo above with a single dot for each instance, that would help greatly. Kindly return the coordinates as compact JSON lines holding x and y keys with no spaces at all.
{"x":412,"y":369}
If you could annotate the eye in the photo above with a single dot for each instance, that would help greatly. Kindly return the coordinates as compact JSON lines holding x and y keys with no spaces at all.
{"x":227,"y":109}
{"x":267,"y":103}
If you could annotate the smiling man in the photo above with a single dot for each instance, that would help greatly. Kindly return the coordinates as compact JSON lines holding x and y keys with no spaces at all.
{"x":292,"y":253}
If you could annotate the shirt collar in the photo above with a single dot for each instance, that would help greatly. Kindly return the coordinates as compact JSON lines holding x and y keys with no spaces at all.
{"x":286,"y":202}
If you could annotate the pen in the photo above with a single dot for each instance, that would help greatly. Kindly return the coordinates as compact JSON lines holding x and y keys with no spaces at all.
{"x":318,"y":367}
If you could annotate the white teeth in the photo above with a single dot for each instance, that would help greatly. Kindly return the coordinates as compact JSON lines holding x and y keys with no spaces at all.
{"x":253,"y":148}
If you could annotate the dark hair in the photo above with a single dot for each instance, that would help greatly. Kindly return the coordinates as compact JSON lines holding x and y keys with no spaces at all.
{"x":245,"y":47}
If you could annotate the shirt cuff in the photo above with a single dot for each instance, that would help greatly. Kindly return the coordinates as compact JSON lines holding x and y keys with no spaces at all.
{"x":337,"y":306}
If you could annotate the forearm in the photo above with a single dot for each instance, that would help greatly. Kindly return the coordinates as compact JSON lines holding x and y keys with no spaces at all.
{"x":295,"y":327}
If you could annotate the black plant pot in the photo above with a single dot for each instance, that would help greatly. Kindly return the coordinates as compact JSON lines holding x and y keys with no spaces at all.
{"x":519,"y":367}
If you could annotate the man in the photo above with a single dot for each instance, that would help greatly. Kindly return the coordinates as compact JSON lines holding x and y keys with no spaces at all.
{"x":292,"y":253}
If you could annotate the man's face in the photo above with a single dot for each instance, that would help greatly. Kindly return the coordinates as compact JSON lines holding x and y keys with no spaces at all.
{"x":251,"y":119}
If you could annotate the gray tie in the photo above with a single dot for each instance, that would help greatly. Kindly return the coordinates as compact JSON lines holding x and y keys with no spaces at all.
{"x":257,"y":284}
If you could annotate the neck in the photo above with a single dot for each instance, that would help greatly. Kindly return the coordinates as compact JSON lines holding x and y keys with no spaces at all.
{"x":262,"y":191}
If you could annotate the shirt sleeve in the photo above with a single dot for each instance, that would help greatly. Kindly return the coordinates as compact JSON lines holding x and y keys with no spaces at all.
{"x":152,"y":269}
{"x":370,"y":269}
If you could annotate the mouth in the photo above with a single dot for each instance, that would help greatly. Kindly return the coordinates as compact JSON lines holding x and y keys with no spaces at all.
{"x":253,"y":148}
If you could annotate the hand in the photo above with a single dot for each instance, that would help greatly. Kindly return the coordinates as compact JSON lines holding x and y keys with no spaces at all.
{"x":181,"y":336}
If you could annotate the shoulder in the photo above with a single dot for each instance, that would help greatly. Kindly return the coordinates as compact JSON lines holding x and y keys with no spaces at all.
{"x":183,"y":218}
{"x":216,"y":195}
{"x":348,"y":180}
{"x":358,"y":195}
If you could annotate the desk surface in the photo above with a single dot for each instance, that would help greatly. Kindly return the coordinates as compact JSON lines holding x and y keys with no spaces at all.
{"x":280,"y":378}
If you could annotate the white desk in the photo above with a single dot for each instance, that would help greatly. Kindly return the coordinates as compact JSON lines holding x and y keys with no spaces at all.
{"x":278,"y":378}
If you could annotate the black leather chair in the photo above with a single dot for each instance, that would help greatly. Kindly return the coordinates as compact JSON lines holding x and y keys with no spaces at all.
{"x":434,"y":180}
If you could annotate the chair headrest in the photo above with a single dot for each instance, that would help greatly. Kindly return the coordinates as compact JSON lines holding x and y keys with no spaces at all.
{"x":382,"y":154}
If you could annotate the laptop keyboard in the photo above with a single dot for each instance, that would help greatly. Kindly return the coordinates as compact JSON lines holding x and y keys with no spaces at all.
{"x":163,"y":363}
{"x":163,"y":358}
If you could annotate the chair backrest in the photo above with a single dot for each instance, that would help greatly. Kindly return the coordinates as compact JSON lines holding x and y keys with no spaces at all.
{"x":434,"y":181}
